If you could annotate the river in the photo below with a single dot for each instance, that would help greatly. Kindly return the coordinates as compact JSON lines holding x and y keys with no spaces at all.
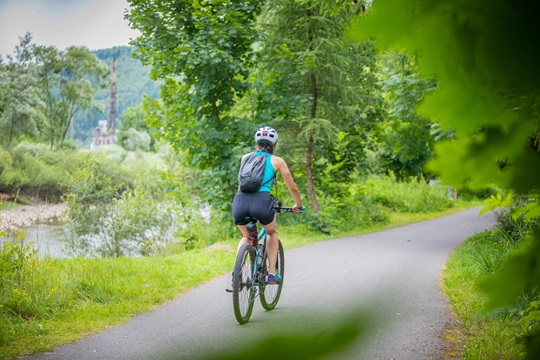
{"x":47,"y":240}
{"x":44,"y":224}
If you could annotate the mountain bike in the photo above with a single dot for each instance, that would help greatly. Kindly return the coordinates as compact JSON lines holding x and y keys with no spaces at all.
{"x":251,"y":270}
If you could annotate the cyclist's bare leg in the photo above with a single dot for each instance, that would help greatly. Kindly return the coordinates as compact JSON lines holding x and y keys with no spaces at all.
{"x":272,"y":245}
{"x":243,"y":230}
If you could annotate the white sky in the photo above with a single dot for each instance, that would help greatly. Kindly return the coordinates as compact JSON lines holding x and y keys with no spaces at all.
{"x":96,"y":24}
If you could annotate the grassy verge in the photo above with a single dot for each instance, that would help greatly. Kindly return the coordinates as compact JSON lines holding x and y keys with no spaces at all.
{"x":65,"y":300}
{"x":485,"y":335}
{"x":82,"y":296}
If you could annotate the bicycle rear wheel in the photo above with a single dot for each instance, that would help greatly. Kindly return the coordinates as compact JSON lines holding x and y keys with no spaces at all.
{"x":243,"y":289}
{"x":270,"y":293}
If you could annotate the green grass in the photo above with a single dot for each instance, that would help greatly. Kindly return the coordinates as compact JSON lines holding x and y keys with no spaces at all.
{"x":87,"y":295}
{"x":8,"y":205}
{"x":71,"y":298}
{"x":485,"y":335}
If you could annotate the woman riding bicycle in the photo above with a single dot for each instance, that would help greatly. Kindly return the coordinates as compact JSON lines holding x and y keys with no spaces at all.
{"x":260,"y":205}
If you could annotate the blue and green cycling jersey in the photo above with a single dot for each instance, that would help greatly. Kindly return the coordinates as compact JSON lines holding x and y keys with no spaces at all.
{"x":268,"y":172}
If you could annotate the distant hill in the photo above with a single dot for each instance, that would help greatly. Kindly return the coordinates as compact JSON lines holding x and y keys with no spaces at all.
{"x":132,"y":82}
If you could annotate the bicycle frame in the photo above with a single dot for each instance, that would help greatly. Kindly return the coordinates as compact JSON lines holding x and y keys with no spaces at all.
{"x":262,"y":234}
{"x":257,"y":269}
{"x":251,"y":270}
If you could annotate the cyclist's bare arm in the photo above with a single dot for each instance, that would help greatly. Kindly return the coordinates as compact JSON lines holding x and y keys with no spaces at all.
{"x":281,"y":166}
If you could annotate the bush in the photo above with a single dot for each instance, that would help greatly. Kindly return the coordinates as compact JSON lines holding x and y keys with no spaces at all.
{"x":128,"y":167}
{"x":364,"y":202}
{"x":37,"y":170}
{"x":350,"y":211}
{"x":135,"y":140}
{"x":467,"y":193}
{"x":28,"y":293}
{"x":109,"y":220}
{"x":413,"y":195}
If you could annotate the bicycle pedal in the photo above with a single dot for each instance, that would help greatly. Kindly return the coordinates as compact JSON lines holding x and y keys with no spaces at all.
{"x":229,"y":290}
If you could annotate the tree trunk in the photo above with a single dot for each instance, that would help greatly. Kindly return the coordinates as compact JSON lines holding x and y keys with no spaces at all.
{"x":309,"y":151}
{"x":309,"y":177}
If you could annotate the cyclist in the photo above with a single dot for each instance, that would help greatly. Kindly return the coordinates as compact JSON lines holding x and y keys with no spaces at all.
{"x":260,"y":205}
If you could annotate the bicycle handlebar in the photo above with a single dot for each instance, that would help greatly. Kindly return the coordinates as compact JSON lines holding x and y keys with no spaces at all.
{"x":280,"y":208}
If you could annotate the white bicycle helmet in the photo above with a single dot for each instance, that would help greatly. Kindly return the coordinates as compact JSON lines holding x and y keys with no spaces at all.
{"x":266,"y":133}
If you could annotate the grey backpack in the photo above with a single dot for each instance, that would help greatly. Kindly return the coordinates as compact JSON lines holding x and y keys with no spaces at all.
{"x":251,"y":173}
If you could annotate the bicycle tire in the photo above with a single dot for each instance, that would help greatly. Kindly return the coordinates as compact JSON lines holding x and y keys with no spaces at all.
{"x":243,"y":289}
{"x":270,"y":293}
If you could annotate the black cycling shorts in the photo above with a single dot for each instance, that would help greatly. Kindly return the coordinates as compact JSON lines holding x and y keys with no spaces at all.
{"x":259,"y":205}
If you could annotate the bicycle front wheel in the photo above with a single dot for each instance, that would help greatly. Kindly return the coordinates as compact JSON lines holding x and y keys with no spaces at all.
{"x":270,"y":293}
{"x":243,"y":289}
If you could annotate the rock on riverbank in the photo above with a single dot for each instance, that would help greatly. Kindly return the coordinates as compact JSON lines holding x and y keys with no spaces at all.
{"x":26,"y":215}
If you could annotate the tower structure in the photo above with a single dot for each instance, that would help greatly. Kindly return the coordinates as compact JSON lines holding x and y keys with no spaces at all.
{"x":105,"y":132}
{"x":112,"y":110}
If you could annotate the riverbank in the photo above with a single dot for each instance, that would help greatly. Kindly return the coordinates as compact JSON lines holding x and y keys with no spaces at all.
{"x":26,"y":215}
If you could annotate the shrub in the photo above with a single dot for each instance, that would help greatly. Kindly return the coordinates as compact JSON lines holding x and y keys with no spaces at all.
{"x":468,"y":193}
{"x":413,"y":195}
{"x":109,"y":220}
{"x":37,"y":170}
{"x":363,"y":202}
{"x":135,"y":140}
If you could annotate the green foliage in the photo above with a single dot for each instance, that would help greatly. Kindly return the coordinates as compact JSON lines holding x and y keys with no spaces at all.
{"x":129,"y":167}
{"x":470,"y":53}
{"x":20,"y":104}
{"x":507,"y":259}
{"x":133,"y":84}
{"x":36,"y":170}
{"x":68,"y":80}
{"x":204,"y":63}
{"x":133,"y":140}
{"x":305,"y":344}
{"x":314,"y":85}
{"x":414,"y":195}
{"x":13,"y":274}
{"x":497,"y":201}
{"x":406,"y":141}
{"x":133,"y":133}
{"x":195,"y":229}
{"x":110,"y":220}
{"x":469,"y":193}
{"x":365,"y":202}
{"x":483,"y":332}
{"x":488,"y":93}
{"x":71,"y":298}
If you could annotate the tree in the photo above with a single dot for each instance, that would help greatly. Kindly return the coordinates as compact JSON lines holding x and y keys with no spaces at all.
{"x":485,"y":57}
{"x":133,"y":130}
{"x":406,"y":137}
{"x":203,"y":51}
{"x":109,"y":219}
{"x":68,"y":81}
{"x":133,"y":140}
{"x":20,"y":105}
{"x":322,"y":80}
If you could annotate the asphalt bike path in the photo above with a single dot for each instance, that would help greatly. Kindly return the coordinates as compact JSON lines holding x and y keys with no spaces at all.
{"x":387,"y":283}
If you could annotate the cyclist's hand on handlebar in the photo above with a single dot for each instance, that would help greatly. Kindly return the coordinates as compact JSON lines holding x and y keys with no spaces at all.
{"x":297,"y":208}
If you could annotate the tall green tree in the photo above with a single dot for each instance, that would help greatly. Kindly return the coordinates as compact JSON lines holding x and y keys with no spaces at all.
{"x":322,"y":80}
{"x":203,"y":51}
{"x":68,"y":80}
{"x":20,"y":103}
{"x":405,"y":138}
